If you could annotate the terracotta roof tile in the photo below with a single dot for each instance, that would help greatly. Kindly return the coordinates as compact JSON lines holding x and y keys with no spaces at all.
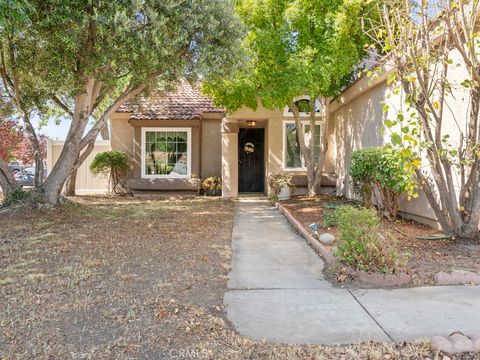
{"x":184,"y":103}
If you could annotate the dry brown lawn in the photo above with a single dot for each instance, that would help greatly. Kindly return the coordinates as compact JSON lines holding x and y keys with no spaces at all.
{"x":127,"y":279}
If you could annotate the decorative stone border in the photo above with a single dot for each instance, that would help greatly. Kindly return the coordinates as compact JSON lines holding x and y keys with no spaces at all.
{"x":458,"y":277}
{"x":457,"y":343}
{"x":375,"y":280}
{"x":380,"y":280}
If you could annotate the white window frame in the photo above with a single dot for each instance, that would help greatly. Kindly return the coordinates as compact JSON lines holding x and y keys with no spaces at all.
{"x":284,"y":155}
{"x":189,"y":152}
{"x":288,"y":114}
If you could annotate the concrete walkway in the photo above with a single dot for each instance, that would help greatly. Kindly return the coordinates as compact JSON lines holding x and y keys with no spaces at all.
{"x":276,"y":292}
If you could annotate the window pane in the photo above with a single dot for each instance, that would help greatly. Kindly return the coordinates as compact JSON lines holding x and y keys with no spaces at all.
{"x":292,"y":147}
{"x":166,"y":153}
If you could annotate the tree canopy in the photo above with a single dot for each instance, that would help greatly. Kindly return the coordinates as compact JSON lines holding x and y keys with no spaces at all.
{"x":87,"y":58}
{"x":293,"y":47}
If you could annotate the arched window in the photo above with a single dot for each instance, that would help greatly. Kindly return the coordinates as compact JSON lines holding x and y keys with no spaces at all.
{"x":303,"y":104}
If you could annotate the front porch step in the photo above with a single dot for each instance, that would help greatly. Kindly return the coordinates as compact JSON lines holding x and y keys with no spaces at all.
{"x":252,"y":197}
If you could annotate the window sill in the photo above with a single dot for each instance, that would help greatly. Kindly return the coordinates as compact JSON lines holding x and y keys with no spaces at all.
{"x":166,"y":177}
{"x":294,"y":169}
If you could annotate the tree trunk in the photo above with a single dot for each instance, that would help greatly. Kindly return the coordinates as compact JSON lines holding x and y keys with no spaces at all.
{"x":105,"y":131}
{"x":70,"y":184}
{"x":325,"y":103}
{"x":53,"y":186}
{"x":312,"y":191}
{"x":7,"y":181}
{"x":32,"y":136}
{"x":70,"y":158}
{"x":304,"y":149}
{"x":314,"y":168}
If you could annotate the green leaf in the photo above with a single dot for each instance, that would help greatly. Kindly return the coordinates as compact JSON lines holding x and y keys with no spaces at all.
{"x":396,"y":139}
{"x":389,"y":123}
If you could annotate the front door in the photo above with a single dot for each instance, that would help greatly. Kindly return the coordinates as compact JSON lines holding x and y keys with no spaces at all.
{"x":250,"y":160}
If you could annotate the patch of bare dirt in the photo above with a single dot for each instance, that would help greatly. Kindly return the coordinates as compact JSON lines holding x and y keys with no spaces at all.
{"x":109,"y":278}
{"x":426,"y":257}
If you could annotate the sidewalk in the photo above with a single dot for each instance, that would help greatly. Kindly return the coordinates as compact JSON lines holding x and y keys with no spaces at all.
{"x":277,"y":292}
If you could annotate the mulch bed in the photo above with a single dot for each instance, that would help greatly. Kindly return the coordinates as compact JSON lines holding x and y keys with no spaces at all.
{"x":426,"y":257}
{"x":109,"y":278}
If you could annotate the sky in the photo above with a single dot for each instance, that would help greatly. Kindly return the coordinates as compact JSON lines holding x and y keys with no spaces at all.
{"x":54,"y":131}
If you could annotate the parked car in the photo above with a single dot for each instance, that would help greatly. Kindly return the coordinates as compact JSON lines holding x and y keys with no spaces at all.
{"x":24,"y":178}
{"x":14,"y":167}
{"x":31,"y":170}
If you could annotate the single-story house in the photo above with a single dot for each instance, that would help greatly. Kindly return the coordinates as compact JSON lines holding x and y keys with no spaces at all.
{"x":178,"y":138}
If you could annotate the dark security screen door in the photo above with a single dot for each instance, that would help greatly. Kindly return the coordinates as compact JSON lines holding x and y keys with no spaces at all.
{"x":250,"y":160}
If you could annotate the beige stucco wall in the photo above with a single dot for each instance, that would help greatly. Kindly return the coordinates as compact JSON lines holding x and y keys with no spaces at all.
{"x":126,"y":136}
{"x":121,"y":133}
{"x":207,"y":138}
{"x":358,"y":118}
{"x":272,"y":121}
{"x":229,"y":162}
{"x":194,"y":125}
{"x":356,"y":125}
{"x":211,"y":152}
{"x":87,"y":183}
{"x":359,"y":124}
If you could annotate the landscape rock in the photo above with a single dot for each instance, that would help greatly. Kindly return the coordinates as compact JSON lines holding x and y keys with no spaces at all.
{"x":457,"y":277}
{"x":475,"y":336}
{"x":326,"y":238}
{"x":442,"y":344}
{"x":475,"y":341}
{"x":460,"y":343}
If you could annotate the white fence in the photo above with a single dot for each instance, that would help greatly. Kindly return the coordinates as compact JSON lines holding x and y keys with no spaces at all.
{"x":87,"y":183}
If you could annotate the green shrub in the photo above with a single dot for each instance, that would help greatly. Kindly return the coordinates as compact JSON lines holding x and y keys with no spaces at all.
{"x":17,"y":196}
{"x":361,"y":244}
{"x":112,"y":164}
{"x":378,"y":173}
{"x":329,"y":219}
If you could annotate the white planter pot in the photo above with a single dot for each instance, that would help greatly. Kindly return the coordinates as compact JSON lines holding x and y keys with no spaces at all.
{"x":284,"y":193}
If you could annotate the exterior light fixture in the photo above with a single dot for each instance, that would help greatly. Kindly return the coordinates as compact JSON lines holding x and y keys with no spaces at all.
{"x":251,"y":123}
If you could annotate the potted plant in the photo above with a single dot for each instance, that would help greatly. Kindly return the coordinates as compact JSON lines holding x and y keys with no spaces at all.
{"x":282,"y":186}
{"x":212,"y":186}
